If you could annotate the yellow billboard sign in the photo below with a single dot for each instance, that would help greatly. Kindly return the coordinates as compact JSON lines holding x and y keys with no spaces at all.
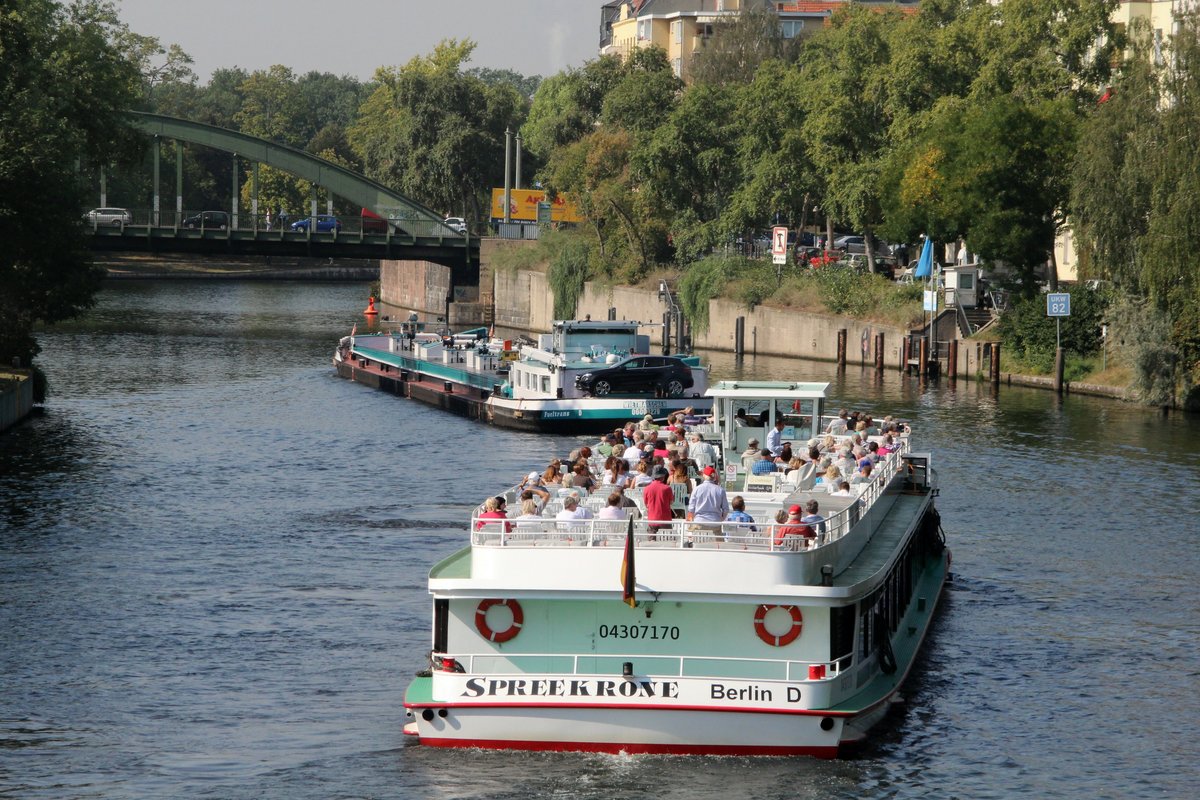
{"x":524,"y":206}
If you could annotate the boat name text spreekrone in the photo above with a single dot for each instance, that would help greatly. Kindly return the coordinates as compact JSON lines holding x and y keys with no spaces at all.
{"x":630,"y":689}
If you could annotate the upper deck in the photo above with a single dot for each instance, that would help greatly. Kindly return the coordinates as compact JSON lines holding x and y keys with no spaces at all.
{"x":546,"y":555}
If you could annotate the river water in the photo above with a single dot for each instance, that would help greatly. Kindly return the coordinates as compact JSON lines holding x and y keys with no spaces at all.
{"x":213,"y":556}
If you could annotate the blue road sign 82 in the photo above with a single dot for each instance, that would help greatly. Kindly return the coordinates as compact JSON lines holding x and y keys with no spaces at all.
{"x":1058,"y":305}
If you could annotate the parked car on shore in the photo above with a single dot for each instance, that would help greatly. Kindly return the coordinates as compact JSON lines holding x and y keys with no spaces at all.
{"x":457,"y":224}
{"x":210,"y":220}
{"x":325,"y":223}
{"x":639,"y":375}
{"x":108,"y":216}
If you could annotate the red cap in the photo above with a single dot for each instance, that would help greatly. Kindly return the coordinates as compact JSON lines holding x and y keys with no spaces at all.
{"x":709,"y":471}
{"x":795,"y":510}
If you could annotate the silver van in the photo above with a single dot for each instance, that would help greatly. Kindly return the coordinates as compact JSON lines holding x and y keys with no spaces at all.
{"x":108,"y":216}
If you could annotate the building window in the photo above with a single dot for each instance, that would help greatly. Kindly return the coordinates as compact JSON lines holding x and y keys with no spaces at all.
{"x":1158,"y":42}
{"x":643,"y":29}
{"x":677,"y":66}
{"x":677,"y":31}
{"x":791,"y":28}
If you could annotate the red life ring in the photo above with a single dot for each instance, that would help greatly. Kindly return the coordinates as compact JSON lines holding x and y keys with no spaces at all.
{"x":760,"y":627}
{"x":499,"y":637}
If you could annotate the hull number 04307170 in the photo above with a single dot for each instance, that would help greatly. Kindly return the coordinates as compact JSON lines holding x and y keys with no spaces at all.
{"x":639,"y":632}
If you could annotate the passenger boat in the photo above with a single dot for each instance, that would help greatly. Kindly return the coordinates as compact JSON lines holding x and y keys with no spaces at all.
{"x":695,"y":638}
{"x":529,"y":387}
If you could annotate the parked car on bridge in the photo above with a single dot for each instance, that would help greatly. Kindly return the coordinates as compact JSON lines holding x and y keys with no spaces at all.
{"x":639,"y":375}
{"x":458,"y":224}
{"x":325,"y":223}
{"x":210,"y":220}
{"x":108,"y":216}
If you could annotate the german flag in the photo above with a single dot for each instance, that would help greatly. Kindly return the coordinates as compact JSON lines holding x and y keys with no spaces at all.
{"x":627,"y":579}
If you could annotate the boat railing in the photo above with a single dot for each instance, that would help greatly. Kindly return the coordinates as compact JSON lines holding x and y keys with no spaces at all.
{"x":769,"y":536}
{"x":608,"y":665}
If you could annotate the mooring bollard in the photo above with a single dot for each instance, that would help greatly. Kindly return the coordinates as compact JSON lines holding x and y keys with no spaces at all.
{"x":952,"y":362}
{"x":841,"y":347}
{"x":879,"y":352}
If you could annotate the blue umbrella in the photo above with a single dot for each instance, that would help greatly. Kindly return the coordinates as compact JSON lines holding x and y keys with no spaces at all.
{"x":925,"y":264}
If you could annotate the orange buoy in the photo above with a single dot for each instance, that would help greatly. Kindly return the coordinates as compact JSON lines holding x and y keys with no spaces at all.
{"x":370,"y":312}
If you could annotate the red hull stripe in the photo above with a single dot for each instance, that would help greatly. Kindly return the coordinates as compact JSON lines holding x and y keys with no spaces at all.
{"x":804,"y":712}
{"x":638,"y":748}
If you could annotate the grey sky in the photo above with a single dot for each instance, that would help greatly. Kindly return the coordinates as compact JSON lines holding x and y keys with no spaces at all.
{"x":353,"y":37}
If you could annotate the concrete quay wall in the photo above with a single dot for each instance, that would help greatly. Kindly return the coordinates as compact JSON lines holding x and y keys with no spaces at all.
{"x":16,"y":398}
{"x":525,"y":302}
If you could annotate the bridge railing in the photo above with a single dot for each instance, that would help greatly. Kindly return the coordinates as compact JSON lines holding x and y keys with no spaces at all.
{"x":211,"y":220}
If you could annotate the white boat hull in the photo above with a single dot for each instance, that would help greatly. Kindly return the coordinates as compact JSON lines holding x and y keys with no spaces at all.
{"x":633,"y":730}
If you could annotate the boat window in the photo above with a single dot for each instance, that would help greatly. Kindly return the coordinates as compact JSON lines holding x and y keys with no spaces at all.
{"x":441,"y":622}
{"x":546,"y":384}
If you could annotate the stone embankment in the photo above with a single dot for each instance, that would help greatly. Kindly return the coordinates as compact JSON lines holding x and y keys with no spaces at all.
{"x":16,"y":397}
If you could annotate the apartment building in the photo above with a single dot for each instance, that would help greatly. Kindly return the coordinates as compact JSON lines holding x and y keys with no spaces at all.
{"x":684,"y":28}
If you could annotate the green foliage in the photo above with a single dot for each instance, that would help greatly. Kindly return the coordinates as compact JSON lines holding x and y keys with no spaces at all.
{"x":66,"y":82}
{"x":705,"y":280}
{"x":1142,"y":335}
{"x":568,"y":272}
{"x":436,"y":133}
{"x":1032,"y":336}
{"x":739,"y":46}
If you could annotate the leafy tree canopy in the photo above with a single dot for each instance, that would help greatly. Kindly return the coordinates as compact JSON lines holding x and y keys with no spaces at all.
{"x":66,"y":83}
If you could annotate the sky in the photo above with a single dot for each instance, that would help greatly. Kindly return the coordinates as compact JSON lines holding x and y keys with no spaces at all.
{"x":353,"y":37}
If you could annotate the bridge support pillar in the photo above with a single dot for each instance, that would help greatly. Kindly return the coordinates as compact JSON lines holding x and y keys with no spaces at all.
{"x":233,"y":215}
{"x":156,"y":153}
{"x":254,"y":195}
{"x":178,"y":183}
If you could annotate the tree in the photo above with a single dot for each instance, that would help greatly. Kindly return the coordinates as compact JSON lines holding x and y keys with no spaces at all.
{"x":739,"y":46}
{"x":526,"y":85}
{"x":1136,"y":214}
{"x":436,"y":133}
{"x":845,"y":124}
{"x":567,"y":106}
{"x":66,"y":86}
{"x":689,"y":167}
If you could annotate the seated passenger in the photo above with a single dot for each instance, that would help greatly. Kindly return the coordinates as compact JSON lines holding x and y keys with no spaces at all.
{"x":529,"y":511}
{"x":739,"y":419}
{"x":572,"y":511}
{"x":614,"y":508}
{"x":788,"y":536}
{"x":837,"y":427}
{"x":582,"y":479}
{"x":492,"y":510}
{"x":829,"y":479}
{"x":843,"y":490}
{"x":750,"y":454}
{"x":862,"y":475}
{"x":533,"y":483}
{"x":764,"y":465}
{"x":812,"y":518}
{"x":738,"y":514}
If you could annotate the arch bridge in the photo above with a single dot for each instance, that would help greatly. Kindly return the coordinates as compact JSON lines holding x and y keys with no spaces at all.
{"x":401,"y":227}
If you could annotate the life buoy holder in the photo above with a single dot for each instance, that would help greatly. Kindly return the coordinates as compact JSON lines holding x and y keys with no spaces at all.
{"x":499,"y":637}
{"x":760,"y":626}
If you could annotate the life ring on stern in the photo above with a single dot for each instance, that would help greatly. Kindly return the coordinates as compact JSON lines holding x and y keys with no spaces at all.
{"x":499,"y":637}
{"x":760,"y":626}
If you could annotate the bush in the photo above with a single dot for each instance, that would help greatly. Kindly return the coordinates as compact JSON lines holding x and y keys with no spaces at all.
{"x":1031,"y":336}
{"x":704,"y":280}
